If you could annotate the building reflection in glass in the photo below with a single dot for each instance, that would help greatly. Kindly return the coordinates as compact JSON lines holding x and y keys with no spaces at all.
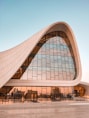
{"x":35,"y":94}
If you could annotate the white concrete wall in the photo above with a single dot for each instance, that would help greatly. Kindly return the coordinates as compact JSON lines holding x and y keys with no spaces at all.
{"x":11,"y":60}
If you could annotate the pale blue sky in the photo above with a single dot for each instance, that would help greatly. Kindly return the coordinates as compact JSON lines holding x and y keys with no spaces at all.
{"x":19,"y":19}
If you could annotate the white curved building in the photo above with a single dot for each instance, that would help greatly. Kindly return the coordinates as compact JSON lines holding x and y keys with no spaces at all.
{"x":48,"y":58}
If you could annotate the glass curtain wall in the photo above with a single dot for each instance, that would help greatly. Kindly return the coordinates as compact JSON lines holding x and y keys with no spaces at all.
{"x":53,"y":61}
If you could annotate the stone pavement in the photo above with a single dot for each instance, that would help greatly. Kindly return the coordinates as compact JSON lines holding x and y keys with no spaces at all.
{"x":45,"y":110}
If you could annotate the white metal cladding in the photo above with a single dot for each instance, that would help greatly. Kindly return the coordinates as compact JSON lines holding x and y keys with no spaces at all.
{"x":12,"y":59}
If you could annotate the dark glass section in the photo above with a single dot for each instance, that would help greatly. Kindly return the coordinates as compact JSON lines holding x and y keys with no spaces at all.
{"x":42,"y":94}
{"x":37,"y":94}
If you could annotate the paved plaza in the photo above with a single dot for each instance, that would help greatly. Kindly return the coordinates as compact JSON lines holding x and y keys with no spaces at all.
{"x":64,"y":109}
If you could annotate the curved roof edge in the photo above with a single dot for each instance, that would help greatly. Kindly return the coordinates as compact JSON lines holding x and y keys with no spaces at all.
{"x":12,"y":59}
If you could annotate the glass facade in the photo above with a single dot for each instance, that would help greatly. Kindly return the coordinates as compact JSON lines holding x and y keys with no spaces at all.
{"x":52,"y":59}
{"x":37,"y":94}
{"x":45,"y":90}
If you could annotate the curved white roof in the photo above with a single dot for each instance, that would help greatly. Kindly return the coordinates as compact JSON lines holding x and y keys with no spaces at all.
{"x":12,"y":59}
